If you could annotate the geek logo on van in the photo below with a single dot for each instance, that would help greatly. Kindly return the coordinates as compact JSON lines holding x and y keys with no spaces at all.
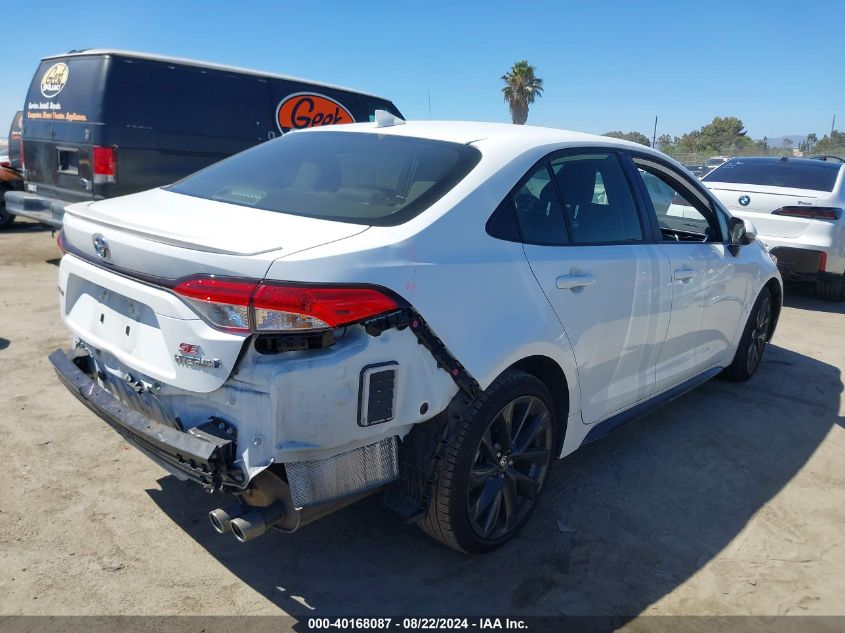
{"x":305,"y":109}
{"x":54,"y":80}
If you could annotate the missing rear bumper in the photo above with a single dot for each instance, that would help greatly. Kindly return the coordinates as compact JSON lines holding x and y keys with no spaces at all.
{"x":204,"y":455}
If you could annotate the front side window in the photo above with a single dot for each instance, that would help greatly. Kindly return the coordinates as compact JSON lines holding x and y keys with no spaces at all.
{"x":681,"y":214}
{"x":596,"y":198}
{"x":363,"y":178}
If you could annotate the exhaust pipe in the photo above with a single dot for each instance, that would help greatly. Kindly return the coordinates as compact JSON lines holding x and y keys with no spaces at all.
{"x":256,"y":522}
{"x":221,"y":520}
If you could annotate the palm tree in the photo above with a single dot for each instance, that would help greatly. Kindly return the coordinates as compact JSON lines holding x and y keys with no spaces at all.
{"x":521,"y":88}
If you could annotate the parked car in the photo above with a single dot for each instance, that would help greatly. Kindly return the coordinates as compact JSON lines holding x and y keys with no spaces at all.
{"x":697,"y":170}
{"x":714,"y":161}
{"x":10,"y":180}
{"x":104,"y":123}
{"x":10,"y":176}
{"x":14,"y":150}
{"x":433,"y":309}
{"x":797,"y":206}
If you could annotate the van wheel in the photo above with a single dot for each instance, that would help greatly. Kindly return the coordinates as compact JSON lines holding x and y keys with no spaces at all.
{"x":831,"y":289}
{"x":755,"y":337}
{"x":495,"y":469}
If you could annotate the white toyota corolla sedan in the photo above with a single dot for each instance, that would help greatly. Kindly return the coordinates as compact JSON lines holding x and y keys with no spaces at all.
{"x":432,"y":310}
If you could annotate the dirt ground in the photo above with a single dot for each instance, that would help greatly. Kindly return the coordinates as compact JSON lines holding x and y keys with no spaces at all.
{"x":731,"y":500}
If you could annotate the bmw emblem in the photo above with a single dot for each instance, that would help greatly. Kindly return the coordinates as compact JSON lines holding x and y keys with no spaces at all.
{"x":744,"y":200}
{"x":101,"y":246}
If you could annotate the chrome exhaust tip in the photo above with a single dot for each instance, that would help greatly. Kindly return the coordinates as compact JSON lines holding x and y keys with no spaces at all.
{"x":256,"y":522}
{"x":221,"y":520}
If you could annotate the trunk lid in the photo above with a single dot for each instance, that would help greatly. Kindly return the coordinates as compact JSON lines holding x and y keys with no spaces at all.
{"x":761,"y":201}
{"x":119,"y":300}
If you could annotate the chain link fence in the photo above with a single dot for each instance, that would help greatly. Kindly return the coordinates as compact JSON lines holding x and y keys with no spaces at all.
{"x":692,"y":159}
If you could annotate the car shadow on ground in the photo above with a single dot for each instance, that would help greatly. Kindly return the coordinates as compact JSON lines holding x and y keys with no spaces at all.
{"x":26,"y":226}
{"x":624,"y":521}
{"x":803,"y":297}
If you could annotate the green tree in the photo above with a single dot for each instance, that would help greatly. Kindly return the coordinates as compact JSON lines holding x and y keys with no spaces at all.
{"x":665,"y":143}
{"x":522,"y":87}
{"x":721,"y":135}
{"x":787,"y":143}
{"x":809,"y":143}
{"x":636,"y":137}
{"x":833,"y":144}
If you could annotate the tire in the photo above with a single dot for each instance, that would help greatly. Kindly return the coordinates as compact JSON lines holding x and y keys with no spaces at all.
{"x":6,"y":218}
{"x":487,"y":490}
{"x":831,"y":289}
{"x":755,"y":337}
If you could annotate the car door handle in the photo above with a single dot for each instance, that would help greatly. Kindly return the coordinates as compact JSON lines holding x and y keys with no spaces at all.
{"x":575,"y":281}
{"x":684,"y":274}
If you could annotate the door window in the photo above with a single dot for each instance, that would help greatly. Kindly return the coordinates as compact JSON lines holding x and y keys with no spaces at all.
{"x":597,"y":200}
{"x":681,"y":213}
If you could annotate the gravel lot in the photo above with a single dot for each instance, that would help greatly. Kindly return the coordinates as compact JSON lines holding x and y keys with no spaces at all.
{"x":729,"y":501}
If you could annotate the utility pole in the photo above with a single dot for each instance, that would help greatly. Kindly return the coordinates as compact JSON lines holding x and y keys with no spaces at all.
{"x":832,"y":126}
{"x":654,"y":136}
{"x":429,"y":104}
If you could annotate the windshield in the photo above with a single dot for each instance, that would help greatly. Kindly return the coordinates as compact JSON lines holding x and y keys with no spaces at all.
{"x":363,"y":178}
{"x":816,"y":175}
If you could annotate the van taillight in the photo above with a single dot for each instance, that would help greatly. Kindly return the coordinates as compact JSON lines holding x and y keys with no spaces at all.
{"x":812,"y":213}
{"x":104,"y":161}
{"x":248,"y":306}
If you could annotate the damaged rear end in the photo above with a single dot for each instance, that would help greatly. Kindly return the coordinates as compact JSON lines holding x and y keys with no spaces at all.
{"x":290,"y":395}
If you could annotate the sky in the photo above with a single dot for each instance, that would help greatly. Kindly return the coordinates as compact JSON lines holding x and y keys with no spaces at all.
{"x":779,"y":65}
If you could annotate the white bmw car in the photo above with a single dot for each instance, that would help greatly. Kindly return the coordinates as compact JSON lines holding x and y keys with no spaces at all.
{"x":432,"y":310}
{"x":798,"y":207}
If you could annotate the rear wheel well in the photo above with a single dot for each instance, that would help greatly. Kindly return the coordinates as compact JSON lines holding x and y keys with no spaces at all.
{"x":551,"y":374}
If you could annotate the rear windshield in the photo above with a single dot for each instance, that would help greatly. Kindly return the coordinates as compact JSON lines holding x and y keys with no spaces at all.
{"x":806,"y":174}
{"x":362,"y":178}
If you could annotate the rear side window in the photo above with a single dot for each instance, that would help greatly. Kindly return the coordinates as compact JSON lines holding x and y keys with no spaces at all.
{"x":374,"y":179}
{"x":597,"y":200}
{"x":816,"y":175}
{"x":538,"y":210}
{"x":179,"y":99}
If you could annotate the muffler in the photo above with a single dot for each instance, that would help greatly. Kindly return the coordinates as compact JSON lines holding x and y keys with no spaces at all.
{"x":257,"y":521}
{"x":221,"y":520}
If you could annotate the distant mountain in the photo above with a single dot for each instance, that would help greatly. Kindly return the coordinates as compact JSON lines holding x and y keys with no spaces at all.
{"x":777,"y":141}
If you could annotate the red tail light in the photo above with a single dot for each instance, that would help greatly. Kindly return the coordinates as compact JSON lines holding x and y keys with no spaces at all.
{"x":822,"y":262}
{"x":104,"y":163}
{"x":813,"y":213}
{"x":248,"y":306}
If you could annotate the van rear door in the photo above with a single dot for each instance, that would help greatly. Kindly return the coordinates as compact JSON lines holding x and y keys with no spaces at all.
{"x":60,"y":118}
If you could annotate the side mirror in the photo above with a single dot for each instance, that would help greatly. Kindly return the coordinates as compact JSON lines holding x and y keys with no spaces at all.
{"x":742,"y":233}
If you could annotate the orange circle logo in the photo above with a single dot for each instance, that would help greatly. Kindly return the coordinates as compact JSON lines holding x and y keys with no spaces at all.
{"x":305,"y":109}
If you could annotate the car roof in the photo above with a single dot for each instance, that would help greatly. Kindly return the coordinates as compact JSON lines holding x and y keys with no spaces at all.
{"x":199,"y":64}
{"x":518,"y":137}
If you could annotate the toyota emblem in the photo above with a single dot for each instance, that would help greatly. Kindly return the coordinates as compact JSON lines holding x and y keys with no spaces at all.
{"x":101,"y":245}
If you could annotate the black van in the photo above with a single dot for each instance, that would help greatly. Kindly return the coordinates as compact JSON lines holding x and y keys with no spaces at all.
{"x":105,"y":123}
